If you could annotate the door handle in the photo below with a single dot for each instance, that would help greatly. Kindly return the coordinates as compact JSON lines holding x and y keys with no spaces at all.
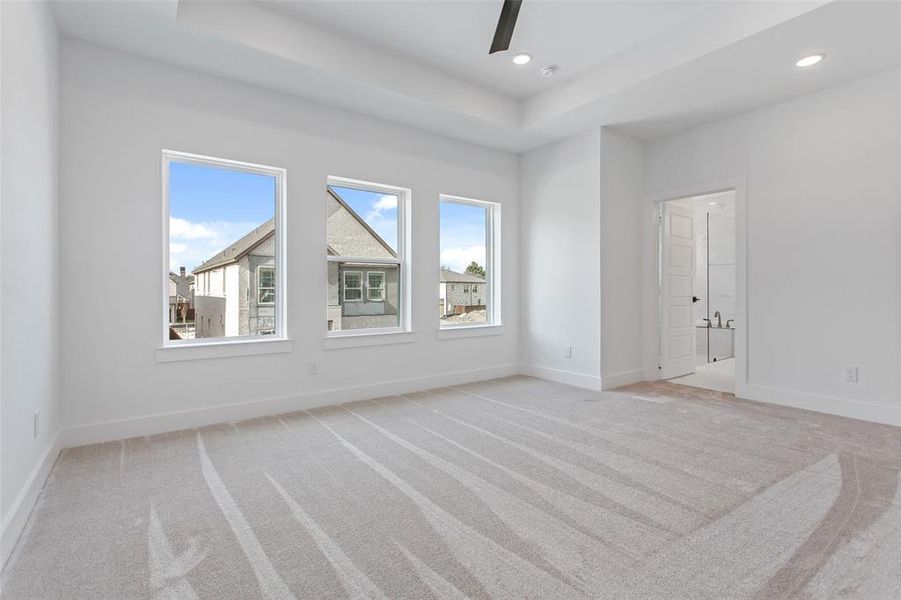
{"x":695,"y":299}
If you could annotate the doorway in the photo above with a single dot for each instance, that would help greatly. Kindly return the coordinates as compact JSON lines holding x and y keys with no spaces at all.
{"x":697,"y":308}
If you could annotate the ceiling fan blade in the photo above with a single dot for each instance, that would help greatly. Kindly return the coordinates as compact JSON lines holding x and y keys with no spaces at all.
{"x":504,"y":32}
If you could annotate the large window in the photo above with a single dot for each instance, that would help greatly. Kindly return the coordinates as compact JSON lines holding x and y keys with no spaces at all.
{"x":223,"y":249}
{"x":469,"y":290}
{"x":367,"y":233}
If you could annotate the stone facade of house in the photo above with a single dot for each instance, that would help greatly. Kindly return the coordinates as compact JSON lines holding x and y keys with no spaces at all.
{"x":375,"y":302}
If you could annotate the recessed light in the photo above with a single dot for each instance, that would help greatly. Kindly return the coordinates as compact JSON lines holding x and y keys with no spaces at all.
{"x":713,"y":203}
{"x":809,"y":61}
{"x":522,"y":58}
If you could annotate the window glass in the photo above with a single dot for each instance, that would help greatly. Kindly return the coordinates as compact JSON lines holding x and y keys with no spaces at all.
{"x":466,"y":235}
{"x":364,"y":241}
{"x":222,"y":236}
{"x":266,"y":285}
{"x":353,"y":286}
{"x":376,"y":286}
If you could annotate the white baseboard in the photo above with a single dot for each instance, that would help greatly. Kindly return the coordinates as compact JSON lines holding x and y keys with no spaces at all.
{"x":107,"y":431}
{"x":589,"y":382}
{"x":878,"y":413}
{"x":620,"y":379}
{"x":17,"y":517}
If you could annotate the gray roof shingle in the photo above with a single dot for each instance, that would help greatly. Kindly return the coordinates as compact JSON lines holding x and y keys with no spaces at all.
{"x":244,"y":245}
{"x":448,"y":276}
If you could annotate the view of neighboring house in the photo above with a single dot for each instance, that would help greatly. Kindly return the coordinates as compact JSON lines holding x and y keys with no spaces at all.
{"x":234,"y":291}
{"x":361,"y":294}
{"x":181,"y":297}
{"x":461,"y":293}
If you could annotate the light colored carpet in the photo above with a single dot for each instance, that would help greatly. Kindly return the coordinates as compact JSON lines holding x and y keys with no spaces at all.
{"x":513,"y":488}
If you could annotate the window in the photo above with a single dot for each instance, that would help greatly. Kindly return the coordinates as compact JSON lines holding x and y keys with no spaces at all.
{"x":375,"y":286}
{"x":469,"y":245}
{"x":266,"y":285}
{"x":353,"y":286}
{"x":224,"y":239}
{"x":366,"y":251}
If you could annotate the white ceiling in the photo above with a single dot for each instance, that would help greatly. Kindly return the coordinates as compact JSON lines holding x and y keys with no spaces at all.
{"x":647,"y":67}
{"x":454,"y":36}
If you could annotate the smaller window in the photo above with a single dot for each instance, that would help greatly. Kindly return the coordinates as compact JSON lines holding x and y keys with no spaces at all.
{"x":266,"y":285}
{"x":375,"y":286}
{"x":353,"y":286}
{"x":473,"y":226}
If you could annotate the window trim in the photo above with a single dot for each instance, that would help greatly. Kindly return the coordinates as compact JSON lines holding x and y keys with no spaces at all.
{"x":260,"y":288}
{"x":281,"y":314}
{"x":382,"y":288}
{"x":344,"y":297}
{"x":403,"y":261}
{"x":492,"y":295}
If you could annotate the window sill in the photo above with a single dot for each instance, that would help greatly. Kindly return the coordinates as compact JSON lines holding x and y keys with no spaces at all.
{"x":467,"y":331}
{"x":223,"y":349}
{"x":356,"y":340}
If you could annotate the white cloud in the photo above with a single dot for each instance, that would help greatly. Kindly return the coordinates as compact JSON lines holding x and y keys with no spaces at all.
{"x":182,"y":228}
{"x":384,"y":224}
{"x":385,"y":202}
{"x":191,"y":243}
{"x":458,"y":258}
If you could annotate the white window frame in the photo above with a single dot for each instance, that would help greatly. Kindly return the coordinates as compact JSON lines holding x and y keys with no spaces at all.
{"x":200,"y":348}
{"x":492,"y":295}
{"x":403,"y":332}
{"x":382,"y":288}
{"x":261,"y":288}
{"x":344,"y":288}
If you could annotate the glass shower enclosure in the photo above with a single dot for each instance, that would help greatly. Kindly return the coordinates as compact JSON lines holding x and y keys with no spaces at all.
{"x":715,"y":283}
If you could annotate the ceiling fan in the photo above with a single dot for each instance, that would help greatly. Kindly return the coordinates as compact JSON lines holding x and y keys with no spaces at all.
{"x":504,"y":32}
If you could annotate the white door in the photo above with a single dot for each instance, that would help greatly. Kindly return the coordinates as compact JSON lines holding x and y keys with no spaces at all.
{"x":677,"y":326}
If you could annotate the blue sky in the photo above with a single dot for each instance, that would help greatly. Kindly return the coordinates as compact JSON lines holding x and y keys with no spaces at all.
{"x":211,"y":208}
{"x":462,"y":235}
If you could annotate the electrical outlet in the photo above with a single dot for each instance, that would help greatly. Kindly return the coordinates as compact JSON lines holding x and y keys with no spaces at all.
{"x":37,"y":416}
{"x":851,"y":375}
{"x":314,"y":368}
{"x":568,"y":351}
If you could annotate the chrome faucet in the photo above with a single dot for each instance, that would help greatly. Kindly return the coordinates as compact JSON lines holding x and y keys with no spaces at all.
{"x":719,"y":319}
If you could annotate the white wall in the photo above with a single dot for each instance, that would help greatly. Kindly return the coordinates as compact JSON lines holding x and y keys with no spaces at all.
{"x":561,"y":292}
{"x":28,"y":258}
{"x":117,"y":113}
{"x":622,"y":170}
{"x":824,"y":240}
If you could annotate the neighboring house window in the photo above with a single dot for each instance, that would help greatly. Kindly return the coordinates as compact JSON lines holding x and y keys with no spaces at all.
{"x":223,"y":221}
{"x":266,"y":285}
{"x":367,"y":246}
{"x":375,"y":286}
{"x":469,"y":248}
{"x":353,"y":286}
